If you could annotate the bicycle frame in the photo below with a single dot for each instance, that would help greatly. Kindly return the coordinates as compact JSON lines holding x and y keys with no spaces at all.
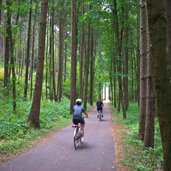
{"x":78,"y":138}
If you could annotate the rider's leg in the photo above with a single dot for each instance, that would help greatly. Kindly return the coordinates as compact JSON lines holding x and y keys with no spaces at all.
{"x":98,"y":112}
{"x":82,"y":126}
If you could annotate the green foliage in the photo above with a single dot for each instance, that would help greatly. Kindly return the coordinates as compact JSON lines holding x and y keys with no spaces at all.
{"x":15,"y":132}
{"x":1,"y":75}
{"x":135,"y":156}
{"x":66,"y":88}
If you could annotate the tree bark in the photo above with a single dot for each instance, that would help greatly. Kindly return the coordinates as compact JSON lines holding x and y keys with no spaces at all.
{"x":35,"y":108}
{"x":7,"y":48}
{"x":0,"y":12}
{"x":60,"y":52}
{"x":143,"y":55}
{"x":125,"y":80}
{"x":149,"y":123}
{"x":87,"y":65}
{"x":28,"y":51}
{"x":92,"y":58}
{"x":33,"y":53}
{"x":52,"y":52}
{"x":159,"y":27}
{"x":11,"y":54}
{"x":73,"y":54}
{"x":81,"y":56}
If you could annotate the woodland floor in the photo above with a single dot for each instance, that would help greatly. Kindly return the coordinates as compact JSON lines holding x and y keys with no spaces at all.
{"x":117,"y":128}
{"x":118,"y":143}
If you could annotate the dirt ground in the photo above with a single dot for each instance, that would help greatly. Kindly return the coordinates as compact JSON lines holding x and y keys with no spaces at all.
{"x":117,"y":128}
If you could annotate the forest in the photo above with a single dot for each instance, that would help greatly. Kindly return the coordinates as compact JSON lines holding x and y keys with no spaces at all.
{"x":54,"y":51}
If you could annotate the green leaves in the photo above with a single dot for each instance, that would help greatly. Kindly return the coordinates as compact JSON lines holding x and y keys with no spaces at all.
{"x":15,"y":132}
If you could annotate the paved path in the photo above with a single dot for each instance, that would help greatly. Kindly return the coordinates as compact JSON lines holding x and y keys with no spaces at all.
{"x":57,"y":153}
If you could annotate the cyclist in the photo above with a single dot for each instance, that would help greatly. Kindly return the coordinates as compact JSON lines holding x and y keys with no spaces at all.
{"x":77,"y":115}
{"x":100,"y":106}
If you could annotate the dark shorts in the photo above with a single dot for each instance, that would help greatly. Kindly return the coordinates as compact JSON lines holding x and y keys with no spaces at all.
{"x":100,"y":109}
{"x":77,"y":120}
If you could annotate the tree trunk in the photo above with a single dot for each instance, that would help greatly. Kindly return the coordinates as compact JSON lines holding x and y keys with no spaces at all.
{"x":7,"y":48}
{"x":81,"y":57}
{"x":1,"y":36}
{"x":28,"y":51}
{"x":118,"y":37}
{"x":50,"y":67}
{"x":32,"y":55}
{"x":73,"y":54}
{"x":138,"y":60}
{"x":52,"y":52}
{"x":143,"y":55}
{"x":87,"y":65}
{"x":11,"y":49}
{"x":149,"y":123}
{"x":35,"y":108}
{"x":161,"y":55}
{"x":0,"y":12}
{"x":65,"y":60}
{"x":114,"y":84}
{"x":60,"y":52}
{"x":125,"y":81}
{"x":91,"y":67}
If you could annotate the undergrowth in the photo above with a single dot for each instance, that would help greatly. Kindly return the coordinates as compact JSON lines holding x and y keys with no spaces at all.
{"x":135,"y":156}
{"x":15,"y":132}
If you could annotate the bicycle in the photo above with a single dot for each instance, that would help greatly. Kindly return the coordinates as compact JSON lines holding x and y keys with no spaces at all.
{"x":100,"y":114}
{"x":78,"y":135}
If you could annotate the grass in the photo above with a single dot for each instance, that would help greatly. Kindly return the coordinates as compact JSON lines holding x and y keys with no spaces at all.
{"x":135,"y":156}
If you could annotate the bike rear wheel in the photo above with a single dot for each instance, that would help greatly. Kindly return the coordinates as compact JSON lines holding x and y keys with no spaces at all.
{"x":76,"y":138}
{"x":100,"y":115}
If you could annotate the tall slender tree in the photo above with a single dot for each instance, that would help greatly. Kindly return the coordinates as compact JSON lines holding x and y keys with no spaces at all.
{"x":60,"y":50}
{"x":33,"y":50}
{"x":0,"y":12}
{"x":143,"y":54}
{"x":7,"y":47}
{"x":52,"y":53}
{"x":73,"y":53}
{"x":92,"y":60}
{"x":34,"y":115}
{"x":126,"y":55}
{"x":87,"y":59}
{"x":12,"y":61}
{"x":81,"y":56}
{"x":28,"y":51}
{"x":149,"y":122}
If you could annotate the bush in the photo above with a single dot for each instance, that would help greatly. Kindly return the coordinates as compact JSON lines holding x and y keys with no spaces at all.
{"x":15,"y":132}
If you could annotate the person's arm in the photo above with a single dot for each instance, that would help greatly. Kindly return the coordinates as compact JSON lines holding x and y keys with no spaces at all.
{"x":86,"y":114}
